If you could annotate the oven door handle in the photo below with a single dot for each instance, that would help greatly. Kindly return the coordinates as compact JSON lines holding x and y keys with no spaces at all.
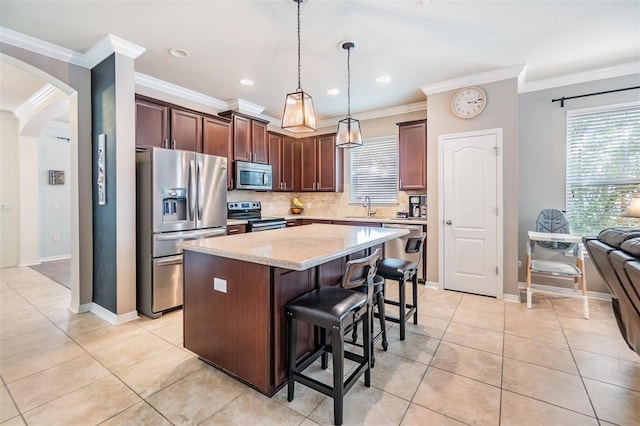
{"x":173,"y":260}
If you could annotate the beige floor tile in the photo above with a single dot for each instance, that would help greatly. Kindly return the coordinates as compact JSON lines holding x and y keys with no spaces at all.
{"x":93,"y":404}
{"x":532,"y":330}
{"x":105,"y":337}
{"x":474,"y":337}
{"x":552,"y":386}
{"x":153,"y":324}
{"x":45,"y":386}
{"x":8,"y":408}
{"x":539,"y":353}
{"x":194,"y":398}
{"x":613,"y":346}
{"x":468,"y":362}
{"x":613,"y":403}
{"x":24,"y":364}
{"x":253,"y":408}
{"x":82,"y":323}
{"x":15,"y":421}
{"x":461,"y":398}
{"x":607,"y":327}
{"x":427,"y":326}
{"x":141,"y":414}
{"x":32,"y":340}
{"x":607,"y":369}
{"x":519,"y":311}
{"x":159,"y":371}
{"x":417,"y":415}
{"x":436,"y":310}
{"x":396,"y":375}
{"x":442,"y":297}
{"x":486,"y":320}
{"x":131,"y":351}
{"x":305,"y":399}
{"x":363,"y":406}
{"x":33,"y":321}
{"x":171,"y":331}
{"x":482,"y":303}
{"x":416,"y":347}
{"x":518,"y":410}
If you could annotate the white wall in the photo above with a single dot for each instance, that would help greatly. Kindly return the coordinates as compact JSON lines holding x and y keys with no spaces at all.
{"x":9,"y":191}
{"x":542,"y":136}
{"x":54,"y":200}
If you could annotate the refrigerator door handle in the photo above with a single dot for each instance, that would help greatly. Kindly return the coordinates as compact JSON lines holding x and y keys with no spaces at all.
{"x":194,"y":235}
{"x":200,"y":188}
{"x":192,"y":189}
{"x":173,"y":260}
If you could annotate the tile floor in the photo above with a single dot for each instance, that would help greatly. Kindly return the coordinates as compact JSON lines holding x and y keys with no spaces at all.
{"x":471,"y":360}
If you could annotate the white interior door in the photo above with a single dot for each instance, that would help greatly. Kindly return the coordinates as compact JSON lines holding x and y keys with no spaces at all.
{"x":470,"y":213}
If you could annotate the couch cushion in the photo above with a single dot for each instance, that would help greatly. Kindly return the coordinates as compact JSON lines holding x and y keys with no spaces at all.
{"x":631,"y":246}
{"x":616,"y":236}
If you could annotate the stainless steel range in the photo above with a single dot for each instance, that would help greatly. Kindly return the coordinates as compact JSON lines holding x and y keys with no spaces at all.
{"x":251,"y":211}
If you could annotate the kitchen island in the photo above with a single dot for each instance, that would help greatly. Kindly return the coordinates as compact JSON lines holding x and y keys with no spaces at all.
{"x":236,"y":288}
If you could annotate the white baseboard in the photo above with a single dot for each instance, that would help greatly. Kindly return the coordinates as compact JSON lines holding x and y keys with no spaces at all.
{"x":52,"y":258}
{"x":112,"y":318}
{"x":508,"y":297}
{"x":569,"y":291}
{"x":29,"y":263}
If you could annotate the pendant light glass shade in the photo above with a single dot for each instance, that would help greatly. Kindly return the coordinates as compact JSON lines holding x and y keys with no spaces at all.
{"x":349,"y":134}
{"x":299,"y":115}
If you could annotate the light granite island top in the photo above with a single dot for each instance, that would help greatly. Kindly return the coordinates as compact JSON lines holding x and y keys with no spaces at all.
{"x":296,"y":248}
{"x":236,"y":289}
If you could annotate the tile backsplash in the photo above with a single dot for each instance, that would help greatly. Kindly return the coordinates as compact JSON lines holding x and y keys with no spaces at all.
{"x":333,"y":204}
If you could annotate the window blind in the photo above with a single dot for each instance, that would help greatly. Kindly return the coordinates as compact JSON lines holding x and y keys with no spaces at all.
{"x":603,"y":165}
{"x":374,"y":171}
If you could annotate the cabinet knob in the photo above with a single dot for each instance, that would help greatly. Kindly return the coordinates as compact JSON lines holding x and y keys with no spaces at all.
{"x":448,"y":222}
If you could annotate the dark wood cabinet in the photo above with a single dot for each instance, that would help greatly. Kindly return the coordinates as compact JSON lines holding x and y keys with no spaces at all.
{"x":216,"y":140}
{"x":152,"y":125}
{"x":282,"y":161}
{"x":321,"y":164}
{"x":186,"y":130}
{"x":236,"y":229}
{"x":249,"y":137}
{"x":412,"y":155}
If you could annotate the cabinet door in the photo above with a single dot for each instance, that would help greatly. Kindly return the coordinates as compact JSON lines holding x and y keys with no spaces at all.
{"x":216,"y":140}
{"x":152,"y":125}
{"x":275,"y":160}
{"x":186,"y":130}
{"x":258,"y":142}
{"x":241,"y":138}
{"x":308,"y":164}
{"x":326,"y":163}
{"x":288,"y":164}
{"x":412,"y":156}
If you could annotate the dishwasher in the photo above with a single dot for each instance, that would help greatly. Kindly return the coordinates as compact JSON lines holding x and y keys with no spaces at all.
{"x":395,"y":247}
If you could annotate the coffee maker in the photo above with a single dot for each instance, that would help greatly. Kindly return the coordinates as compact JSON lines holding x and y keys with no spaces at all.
{"x":418,"y":206}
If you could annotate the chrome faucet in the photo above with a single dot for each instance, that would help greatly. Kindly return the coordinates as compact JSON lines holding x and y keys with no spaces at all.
{"x":367,"y":204}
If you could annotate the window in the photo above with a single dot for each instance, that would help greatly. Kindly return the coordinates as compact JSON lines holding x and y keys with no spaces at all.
{"x":374,"y":171}
{"x":603,"y":165}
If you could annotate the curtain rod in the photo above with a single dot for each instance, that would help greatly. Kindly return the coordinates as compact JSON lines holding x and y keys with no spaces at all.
{"x":562,"y":99}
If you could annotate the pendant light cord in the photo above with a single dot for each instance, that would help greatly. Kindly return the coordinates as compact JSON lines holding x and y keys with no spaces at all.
{"x":349,"y":82}
{"x":299,"y":85}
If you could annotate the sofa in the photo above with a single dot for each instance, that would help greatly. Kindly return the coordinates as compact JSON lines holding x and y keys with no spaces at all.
{"x":615,"y":253}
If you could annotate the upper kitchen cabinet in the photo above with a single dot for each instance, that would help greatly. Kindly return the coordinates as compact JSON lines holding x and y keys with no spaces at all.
{"x":282,"y":161}
{"x":321,"y":164}
{"x":216,"y":140}
{"x":186,"y":130}
{"x":249,"y":137}
{"x":152,"y":124}
{"x":412,"y":155}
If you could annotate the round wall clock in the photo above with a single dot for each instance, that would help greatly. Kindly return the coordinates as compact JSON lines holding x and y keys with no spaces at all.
{"x":468,"y":102}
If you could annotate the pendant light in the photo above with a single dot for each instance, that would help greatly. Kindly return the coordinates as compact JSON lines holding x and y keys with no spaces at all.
{"x":349,"y":135}
{"x":299,"y":115}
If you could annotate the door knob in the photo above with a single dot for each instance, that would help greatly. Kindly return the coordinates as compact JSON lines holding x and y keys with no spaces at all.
{"x":448,"y":222}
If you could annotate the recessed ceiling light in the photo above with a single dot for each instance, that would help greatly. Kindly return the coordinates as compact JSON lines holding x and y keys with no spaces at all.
{"x":178,"y":53}
{"x":246,"y":82}
{"x":383,"y":79}
{"x":333,"y":92}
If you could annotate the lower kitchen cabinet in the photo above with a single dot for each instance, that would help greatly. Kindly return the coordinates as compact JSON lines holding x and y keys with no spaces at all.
{"x":236,"y":229}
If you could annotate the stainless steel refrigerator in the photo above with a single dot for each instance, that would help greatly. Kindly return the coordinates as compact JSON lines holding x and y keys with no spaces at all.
{"x":181,"y":195}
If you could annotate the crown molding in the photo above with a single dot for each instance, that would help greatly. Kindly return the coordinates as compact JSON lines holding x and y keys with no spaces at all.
{"x":45,"y":48}
{"x":111,"y":44}
{"x":42,"y":96}
{"x":173,"y":89}
{"x":582,"y":77}
{"x":385,"y":112}
{"x":245,"y":107}
{"x":515,"y":71}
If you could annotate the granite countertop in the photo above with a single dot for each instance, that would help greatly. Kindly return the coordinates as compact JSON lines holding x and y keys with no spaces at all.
{"x":373,"y":219}
{"x":297,"y":248}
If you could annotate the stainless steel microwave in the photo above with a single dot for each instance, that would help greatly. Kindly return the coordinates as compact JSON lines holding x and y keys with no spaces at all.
{"x":253,"y":176}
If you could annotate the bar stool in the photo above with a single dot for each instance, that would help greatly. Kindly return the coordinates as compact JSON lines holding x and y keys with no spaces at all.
{"x":377,"y":302}
{"x":402,"y":270}
{"x":334,"y":309}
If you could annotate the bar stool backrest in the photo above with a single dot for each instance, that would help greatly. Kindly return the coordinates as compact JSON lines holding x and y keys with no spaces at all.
{"x":361,"y":271}
{"x":414,"y":244}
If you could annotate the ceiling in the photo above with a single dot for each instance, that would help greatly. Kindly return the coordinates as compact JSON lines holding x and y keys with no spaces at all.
{"x":415,"y":42}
